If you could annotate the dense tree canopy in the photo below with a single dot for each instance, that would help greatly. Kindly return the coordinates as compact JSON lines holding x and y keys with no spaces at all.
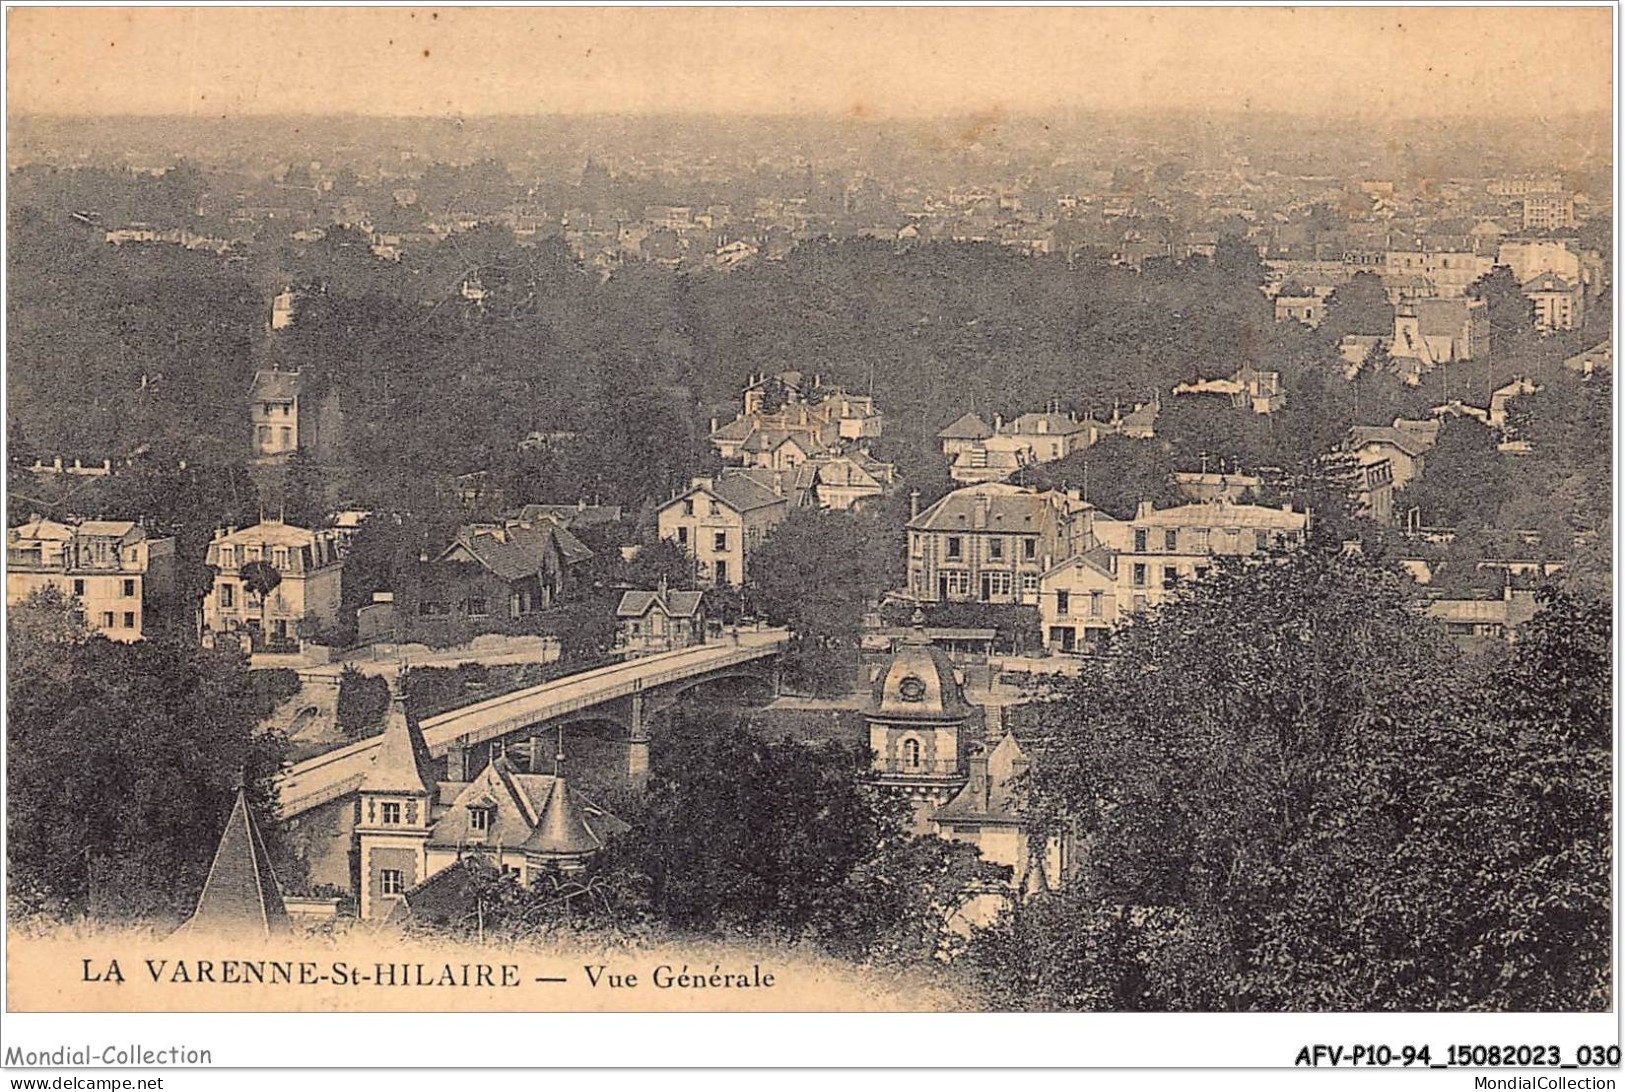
{"x":125,"y":759}
{"x":1292,"y":795}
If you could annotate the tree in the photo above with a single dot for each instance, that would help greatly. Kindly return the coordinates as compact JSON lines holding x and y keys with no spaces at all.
{"x":1116,"y":474}
{"x":123,"y":761}
{"x":1464,"y":480}
{"x":1260,"y":770}
{"x":363,"y":701}
{"x":260,"y":578}
{"x":1359,"y":307}
{"x":817,"y":574}
{"x":737,"y":836}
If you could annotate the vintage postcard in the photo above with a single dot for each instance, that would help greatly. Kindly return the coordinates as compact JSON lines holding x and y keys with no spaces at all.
{"x":1086,"y":510}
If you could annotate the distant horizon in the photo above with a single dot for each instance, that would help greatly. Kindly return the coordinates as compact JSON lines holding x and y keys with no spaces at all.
{"x":883,"y":64}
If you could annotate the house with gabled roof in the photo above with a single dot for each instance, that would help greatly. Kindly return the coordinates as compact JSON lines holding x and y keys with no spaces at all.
{"x":1404,"y":448}
{"x":964,"y":432}
{"x":990,"y":543}
{"x":286,"y":415}
{"x":719,"y":520}
{"x":491,"y":578}
{"x":659,"y":620}
{"x":989,"y":812}
{"x":1559,"y":303}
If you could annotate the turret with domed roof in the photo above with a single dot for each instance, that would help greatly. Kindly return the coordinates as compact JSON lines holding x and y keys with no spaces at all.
{"x":917,"y":714}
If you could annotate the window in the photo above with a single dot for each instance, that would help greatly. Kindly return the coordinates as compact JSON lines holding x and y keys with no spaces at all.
{"x":391,"y":882}
{"x":287,"y":436}
{"x":79,"y":587}
{"x":389,"y":813}
{"x":1029,"y":548}
{"x":1202,"y":571}
{"x":1097,"y":604}
{"x":995,"y":584}
{"x":956,"y":547}
{"x":688,"y":508}
{"x":279,"y":557}
{"x":1029,"y":583}
{"x":916,"y":545}
{"x":474,"y":608}
{"x":1139,"y":575}
{"x":722,"y":571}
{"x":682,"y":536}
{"x":479,"y":820}
{"x":228,"y":556}
{"x":129,"y":589}
{"x":956,"y":582}
{"x":719,"y":541}
{"x":129,"y":619}
{"x":1170,"y":575}
{"x":995,"y":549}
{"x":1063,"y":602}
{"x":1170,"y":541}
{"x":228,"y":595}
{"x":1140,"y":535}
{"x":285,"y":409}
{"x":911,"y":753}
{"x":430,"y":607}
{"x":1202,"y":541}
{"x":107,"y":619}
{"x":263,"y":436}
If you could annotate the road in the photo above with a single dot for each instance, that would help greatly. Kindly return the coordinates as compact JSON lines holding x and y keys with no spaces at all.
{"x":317,"y":781}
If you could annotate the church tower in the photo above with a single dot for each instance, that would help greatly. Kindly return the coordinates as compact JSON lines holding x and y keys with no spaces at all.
{"x":917,"y":716}
{"x":393,"y":824}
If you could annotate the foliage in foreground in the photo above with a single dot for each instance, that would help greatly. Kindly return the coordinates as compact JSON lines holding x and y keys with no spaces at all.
{"x":1293,"y":794}
{"x":122,"y":762}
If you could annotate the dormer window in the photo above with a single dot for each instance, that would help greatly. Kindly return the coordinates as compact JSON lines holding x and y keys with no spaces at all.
{"x":389,"y":813}
{"x":479,"y":819}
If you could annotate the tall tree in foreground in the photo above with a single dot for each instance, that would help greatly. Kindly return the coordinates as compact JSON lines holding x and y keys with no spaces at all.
{"x":1295,"y":795}
{"x":122,"y":762}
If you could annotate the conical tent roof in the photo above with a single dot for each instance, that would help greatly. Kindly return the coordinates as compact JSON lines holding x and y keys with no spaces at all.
{"x":562,"y":829}
{"x":241,"y":894}
{"x":402,"y":763}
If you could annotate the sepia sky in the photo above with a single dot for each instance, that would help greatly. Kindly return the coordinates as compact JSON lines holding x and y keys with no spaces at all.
{"x":871,"y":62}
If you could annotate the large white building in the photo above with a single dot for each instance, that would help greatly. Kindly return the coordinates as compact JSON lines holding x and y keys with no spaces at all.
{"x":118,"y":576}
{"x":308,"y":565}
{"x":1138,"y":563}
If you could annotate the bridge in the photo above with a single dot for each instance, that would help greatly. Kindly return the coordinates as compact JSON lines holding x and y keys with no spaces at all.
{"x":628,"y":694}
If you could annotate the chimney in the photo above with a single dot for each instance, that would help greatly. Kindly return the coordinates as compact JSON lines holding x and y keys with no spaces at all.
{"x":979,"y":786}
{"x":714,"y":424}
{"x":1144,"y":509}
{"x":983,"y":504}
{"x":701,"y":483}
{"x":533,"y":754}
{"x":998,"y":422}
{"x":913,"y":505}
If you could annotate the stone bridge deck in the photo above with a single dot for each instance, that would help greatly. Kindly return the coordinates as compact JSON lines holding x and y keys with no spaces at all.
{"x":338,"y":773}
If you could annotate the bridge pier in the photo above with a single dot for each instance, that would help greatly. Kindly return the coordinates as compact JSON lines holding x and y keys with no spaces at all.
{"x":637,"y":748}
